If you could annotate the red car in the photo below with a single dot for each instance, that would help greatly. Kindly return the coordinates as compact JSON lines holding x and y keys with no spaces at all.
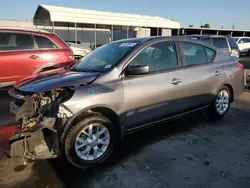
{"x":25,"y":51}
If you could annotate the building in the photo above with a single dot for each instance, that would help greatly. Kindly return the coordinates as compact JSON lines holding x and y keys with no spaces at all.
{"x":211,"y":31}
{"x":115,"y":25}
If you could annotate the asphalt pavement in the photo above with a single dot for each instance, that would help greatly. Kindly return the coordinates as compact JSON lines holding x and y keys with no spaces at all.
{"x":191,"y":152}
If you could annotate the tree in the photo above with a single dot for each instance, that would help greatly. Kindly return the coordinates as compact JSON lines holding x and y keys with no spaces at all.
{"x":205,"y":26}
{"x":191,"y":26}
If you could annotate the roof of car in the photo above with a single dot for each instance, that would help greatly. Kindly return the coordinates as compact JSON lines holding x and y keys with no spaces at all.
{"x":158,"y":38}
{"x":201,"y":36}
{"x":19,"y":29}
{"x":147,"y":39}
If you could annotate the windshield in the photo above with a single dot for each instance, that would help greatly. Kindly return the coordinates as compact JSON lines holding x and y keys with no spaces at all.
{"x":105,"y":57}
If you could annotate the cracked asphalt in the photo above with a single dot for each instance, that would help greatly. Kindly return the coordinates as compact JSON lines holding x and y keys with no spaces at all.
{"x":192,"y":152}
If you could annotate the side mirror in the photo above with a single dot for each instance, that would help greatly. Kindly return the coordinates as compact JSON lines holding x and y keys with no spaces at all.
{"x":137,"y":69}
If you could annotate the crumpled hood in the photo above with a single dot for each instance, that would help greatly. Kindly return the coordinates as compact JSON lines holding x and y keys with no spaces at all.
{"x":57,"y":78}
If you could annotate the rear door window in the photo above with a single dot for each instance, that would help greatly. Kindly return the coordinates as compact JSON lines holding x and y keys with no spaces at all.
{"x":220,"y":42}
{"x":196,"y":54}
{"x":16,"y":41}
{"x":44,"y":43}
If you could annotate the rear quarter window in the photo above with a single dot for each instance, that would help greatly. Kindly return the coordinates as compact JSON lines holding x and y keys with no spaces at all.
{"x":210,"y":54}
{"x":220,"y":42}
{"x":44,"y":43}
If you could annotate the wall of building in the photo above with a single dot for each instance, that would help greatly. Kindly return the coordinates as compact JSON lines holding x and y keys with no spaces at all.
{"x":84,"y":35}
{"x":166,"y":32}
{"x":142,"y":32}
{"x":87,"y":35}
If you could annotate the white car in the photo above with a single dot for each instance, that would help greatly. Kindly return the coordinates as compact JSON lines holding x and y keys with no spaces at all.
{"x":244,"y":44}
{"x":79,"y":50}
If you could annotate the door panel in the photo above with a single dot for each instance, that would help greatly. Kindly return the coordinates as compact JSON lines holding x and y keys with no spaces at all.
{"x":153,"y":97}
{"x":160,"y":93}
{"x":50,"y":52}
{"x":18,"y":64}
{"x":19,"y":56}
{"x":202,"y":73}
{"x":201,"y":80}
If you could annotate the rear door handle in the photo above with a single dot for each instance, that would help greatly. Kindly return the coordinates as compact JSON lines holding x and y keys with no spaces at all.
{"x":176,"y":81}
{"x":218,"y":73}
{"x":34,"y":57}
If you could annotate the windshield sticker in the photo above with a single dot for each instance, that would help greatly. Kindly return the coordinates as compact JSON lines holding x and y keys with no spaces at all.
{"x":127,"y":44}
{"x":107,"y":66}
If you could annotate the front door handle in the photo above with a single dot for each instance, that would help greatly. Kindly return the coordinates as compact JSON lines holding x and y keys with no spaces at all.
{"x":218,"y":73}
{"x":34,"y":57}
{"x":176,"y":81}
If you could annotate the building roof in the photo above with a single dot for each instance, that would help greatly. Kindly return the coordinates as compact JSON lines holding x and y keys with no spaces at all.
{"x":45,"y":14}
{"x":215,"y":29}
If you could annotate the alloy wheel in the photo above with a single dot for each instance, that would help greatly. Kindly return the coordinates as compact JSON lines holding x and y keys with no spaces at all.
{"x":92,"y":142}
{"x":222,"y":102}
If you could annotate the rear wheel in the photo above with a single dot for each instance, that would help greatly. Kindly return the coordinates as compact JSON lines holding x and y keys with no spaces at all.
{"x":90,"y":142}
{"x":221,"y":103}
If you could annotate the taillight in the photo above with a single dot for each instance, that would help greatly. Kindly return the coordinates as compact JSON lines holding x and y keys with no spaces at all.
{"x":240,"y":66}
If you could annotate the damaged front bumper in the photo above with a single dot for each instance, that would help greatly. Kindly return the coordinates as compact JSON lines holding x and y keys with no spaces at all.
{"x":37,"y":142}
{"x":39,"y":115}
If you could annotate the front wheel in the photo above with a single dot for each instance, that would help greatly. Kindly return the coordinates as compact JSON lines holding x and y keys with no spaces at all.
{"x":90,"y":142}
{"x":221,"y":103}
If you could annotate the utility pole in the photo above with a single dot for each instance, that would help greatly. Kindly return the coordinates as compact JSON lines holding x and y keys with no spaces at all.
{"x":233,"y":26}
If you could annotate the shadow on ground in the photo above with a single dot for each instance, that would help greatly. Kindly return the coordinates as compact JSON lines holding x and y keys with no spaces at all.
{"x":130,"y":146}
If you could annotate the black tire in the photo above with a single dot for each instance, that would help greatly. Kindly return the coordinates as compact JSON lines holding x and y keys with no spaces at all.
{"x":248,"y":53}
{"x":212,"y":110}
{"x":69,"y":145}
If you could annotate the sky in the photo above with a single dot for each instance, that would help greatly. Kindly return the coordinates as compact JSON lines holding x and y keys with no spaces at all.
{"x":218,"y":13}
